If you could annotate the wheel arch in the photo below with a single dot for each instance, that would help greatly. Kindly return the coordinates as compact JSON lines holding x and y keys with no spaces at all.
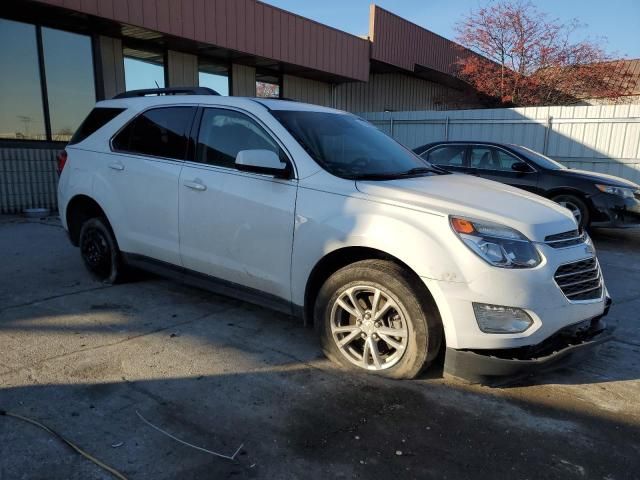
{"x":341,"y":257}
{"x":79,"y":209}
{"x":554,"y":192}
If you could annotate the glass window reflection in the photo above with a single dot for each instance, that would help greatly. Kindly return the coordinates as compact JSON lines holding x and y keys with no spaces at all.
{"x":68,"y":63}
{"x":21,"y":112}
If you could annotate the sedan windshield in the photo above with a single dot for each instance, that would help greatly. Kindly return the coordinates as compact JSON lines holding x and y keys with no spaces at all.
{"x":538,"y":158}
{"x":350,"y":147}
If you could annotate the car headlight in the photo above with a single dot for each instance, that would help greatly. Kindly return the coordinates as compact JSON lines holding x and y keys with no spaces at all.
{"x":624,"y":192}
{"x":496,"y":244}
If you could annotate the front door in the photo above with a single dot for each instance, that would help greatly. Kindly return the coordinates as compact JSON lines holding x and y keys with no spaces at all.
{"x":236,"y":226}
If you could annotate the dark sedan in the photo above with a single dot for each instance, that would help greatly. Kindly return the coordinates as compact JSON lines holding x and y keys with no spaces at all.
{"x":595,"y":199}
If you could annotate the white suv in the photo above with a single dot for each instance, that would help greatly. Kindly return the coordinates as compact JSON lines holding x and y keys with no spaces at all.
{"x":316,"y":213}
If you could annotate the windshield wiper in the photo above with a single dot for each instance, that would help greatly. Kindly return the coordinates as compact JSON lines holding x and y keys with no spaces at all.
{"x":394,"y":175}
{"x":419,"y":170}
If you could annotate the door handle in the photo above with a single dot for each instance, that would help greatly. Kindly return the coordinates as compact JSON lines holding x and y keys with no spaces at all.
{"x":195,"y":186}
{"x":116,"y":166}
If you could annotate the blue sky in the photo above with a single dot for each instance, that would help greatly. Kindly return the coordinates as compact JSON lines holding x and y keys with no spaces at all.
{"x":618,"y":20}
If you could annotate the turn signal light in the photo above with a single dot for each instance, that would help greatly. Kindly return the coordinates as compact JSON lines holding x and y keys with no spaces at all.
{"x":462,"y":226}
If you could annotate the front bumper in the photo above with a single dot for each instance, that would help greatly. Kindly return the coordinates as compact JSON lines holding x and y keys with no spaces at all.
{"x":612,"y":211}
{"x":568,"y":345}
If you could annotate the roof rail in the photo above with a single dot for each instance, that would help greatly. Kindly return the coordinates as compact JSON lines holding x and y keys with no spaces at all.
{"x":167,"y":91}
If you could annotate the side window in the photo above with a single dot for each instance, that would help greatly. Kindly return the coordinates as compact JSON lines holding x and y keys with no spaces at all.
{"x":223,"y":133}
{"x":449,"y":156}
{"x":97,"y":118}
{"x":506,"y":160}
{"x":161,"y":132}
{"x":482,"y":158}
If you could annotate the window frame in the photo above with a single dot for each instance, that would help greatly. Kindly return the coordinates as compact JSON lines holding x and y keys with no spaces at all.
{"x":195,"y":134}
{"x":496,"y":148}
{"x":142,"y":46}
{"x":202,"y":58}
{"x":139,"y":113}
{"x":465,"y":159}
{"x":468,"y":146}
{"x":260,"y":72}
{"x":44,"y":95}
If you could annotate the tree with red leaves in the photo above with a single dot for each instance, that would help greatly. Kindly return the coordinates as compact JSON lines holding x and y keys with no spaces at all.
{"x":533,"y":58}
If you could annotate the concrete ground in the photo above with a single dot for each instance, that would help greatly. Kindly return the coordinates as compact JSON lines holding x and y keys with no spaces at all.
{"x":84,"y":358}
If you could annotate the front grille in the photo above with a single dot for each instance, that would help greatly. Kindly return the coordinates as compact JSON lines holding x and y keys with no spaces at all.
{"x":565,"y":239}
{"x":580,"y":280}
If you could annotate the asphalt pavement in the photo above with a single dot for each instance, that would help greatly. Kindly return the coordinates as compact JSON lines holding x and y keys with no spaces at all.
{"x":92,"y":361}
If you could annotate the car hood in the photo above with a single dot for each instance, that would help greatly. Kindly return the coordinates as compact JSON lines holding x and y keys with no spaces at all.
{"x":473,"y":197}
{"x":601,"y":178}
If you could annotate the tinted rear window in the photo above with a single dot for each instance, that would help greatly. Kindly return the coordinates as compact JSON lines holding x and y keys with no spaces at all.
{"x":97,"y":118}
{"x":160,"y":132}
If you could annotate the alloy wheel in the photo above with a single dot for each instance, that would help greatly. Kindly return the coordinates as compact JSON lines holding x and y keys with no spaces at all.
{"x":574,"y":209}
{"x":369,"y":327}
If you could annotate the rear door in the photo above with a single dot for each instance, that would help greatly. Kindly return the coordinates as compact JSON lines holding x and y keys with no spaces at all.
{"x":449,"y":156}
{"x":143,"y":173}
{"x":495,"y":163}
{"x":236,"y":226}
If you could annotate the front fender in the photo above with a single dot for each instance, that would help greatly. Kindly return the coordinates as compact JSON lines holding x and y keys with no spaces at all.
{"x":326,"y":222}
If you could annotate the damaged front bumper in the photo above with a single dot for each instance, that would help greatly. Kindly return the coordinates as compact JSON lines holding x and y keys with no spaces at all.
{"x":612,"y":211}
{"x":566,"y":346}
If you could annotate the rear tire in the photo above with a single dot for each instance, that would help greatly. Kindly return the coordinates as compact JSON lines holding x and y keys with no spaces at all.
{"x":99,"y":251}
{"x":371,"y":317}
{"x":576,"y":206}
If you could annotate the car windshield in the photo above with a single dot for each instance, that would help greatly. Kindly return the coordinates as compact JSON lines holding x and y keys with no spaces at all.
{"x":350,"y":147}
{"x":538,"y":158}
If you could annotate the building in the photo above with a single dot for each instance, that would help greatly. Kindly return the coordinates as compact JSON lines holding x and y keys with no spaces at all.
{"x":58,"y":57}
{"x":627,"y":76}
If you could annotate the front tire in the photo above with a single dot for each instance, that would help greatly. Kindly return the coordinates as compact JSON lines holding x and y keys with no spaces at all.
{"x":373,"y":318}
{"x":577,"y":207}
{"x":99,"y":251}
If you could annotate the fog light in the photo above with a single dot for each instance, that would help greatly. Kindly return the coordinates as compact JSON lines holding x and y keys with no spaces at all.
{"x":497,"y":319}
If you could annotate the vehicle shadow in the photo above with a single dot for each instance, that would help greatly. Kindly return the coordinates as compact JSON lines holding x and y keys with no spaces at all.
{"x":303,"y":422}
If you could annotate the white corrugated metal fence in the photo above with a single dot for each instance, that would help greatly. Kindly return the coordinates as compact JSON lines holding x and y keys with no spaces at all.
{"x":601,"y":138}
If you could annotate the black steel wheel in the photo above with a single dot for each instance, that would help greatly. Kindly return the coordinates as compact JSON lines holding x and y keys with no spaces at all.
{"x":99,"y":250}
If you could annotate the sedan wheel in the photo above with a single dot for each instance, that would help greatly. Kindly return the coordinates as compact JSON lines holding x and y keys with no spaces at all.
{"x":576,"y":206}
{"x":573,"y":208}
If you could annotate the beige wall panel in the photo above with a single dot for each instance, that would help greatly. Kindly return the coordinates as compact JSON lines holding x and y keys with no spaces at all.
{"x":182,"y":69}
{"x":308,"y":91}
{"x":243,"y":81}
{"x":112,"y":66}
{"x":399,"y":92}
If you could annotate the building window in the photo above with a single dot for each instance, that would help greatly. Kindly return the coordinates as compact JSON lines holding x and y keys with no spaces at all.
{"x":31,"y":109}
{"x":70,"y":80}
{"x":21,"y":109}
{"x":213,"y":75}
{"x":143,"y":69}
{"x":267,"y":85}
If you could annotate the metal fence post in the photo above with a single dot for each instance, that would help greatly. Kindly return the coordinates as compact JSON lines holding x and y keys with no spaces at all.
{"x":547,"y":132}
{"x":446,"y":128}
{"x":391,"y":125}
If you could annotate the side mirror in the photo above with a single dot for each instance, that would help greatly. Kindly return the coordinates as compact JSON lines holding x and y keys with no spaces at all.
{"x":266,"y":162}
{"x":521,"y":167}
